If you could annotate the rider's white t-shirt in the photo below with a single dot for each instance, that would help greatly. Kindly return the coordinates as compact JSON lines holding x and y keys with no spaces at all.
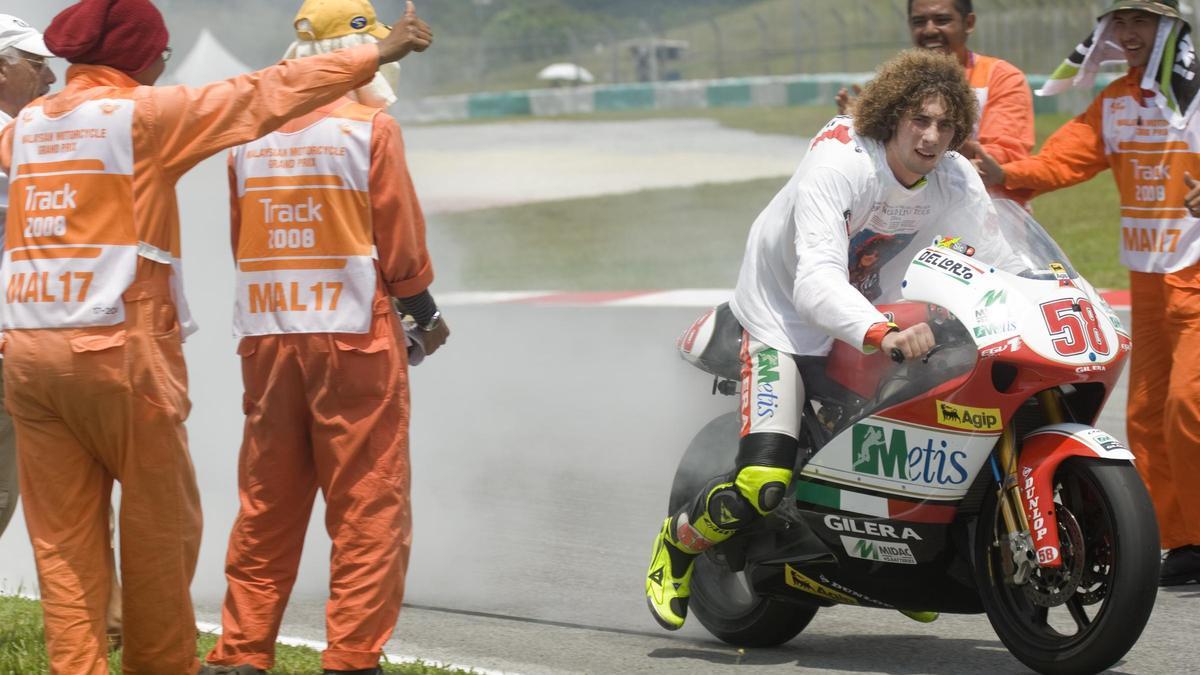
{"x":839,"y":236}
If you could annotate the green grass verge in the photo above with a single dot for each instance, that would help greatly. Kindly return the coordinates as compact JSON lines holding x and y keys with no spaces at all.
{"x":693,"y":237}
{"x":23,"y":652}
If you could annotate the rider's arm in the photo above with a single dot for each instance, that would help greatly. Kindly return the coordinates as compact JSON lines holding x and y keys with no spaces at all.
{"x":1006,"y":122}
{"x":822,"y":293}
{"x":1073,"y":154}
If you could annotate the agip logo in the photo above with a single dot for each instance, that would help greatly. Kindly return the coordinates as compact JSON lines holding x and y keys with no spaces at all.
{"x":931,"y":461}
{"x":966,"y":417}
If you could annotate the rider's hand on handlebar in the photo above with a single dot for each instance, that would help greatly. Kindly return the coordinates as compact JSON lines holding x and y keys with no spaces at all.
{"x":912,"y":342}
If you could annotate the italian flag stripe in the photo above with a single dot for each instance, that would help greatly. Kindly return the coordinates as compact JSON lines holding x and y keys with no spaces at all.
{"x":870,"y":505}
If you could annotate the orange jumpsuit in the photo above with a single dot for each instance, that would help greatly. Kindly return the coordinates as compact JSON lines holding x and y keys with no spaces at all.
{"x":1005,"y":126}
{"x":94,"y":318}
{"x":1160,"y":244}
{"x":321,"y":244}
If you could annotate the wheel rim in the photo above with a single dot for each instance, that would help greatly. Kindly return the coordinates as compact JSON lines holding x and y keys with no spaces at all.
{"x":725,"y":593}
{"x":1059,"y":609}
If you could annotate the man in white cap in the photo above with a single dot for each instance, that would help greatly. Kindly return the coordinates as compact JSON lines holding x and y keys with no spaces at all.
{"x":24,"y":76}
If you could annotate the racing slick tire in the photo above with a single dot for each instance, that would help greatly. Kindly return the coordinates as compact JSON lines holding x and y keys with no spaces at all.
{"x":1085,"y":616}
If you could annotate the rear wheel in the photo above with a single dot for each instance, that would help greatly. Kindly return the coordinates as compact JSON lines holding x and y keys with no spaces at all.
{"x":728,"y":608}
{"x":722,"y":600}
{"x":1084,"y":616}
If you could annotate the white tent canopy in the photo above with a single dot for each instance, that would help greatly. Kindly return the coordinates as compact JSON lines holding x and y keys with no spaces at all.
{"x":566,"y":72}
{"x":208,"y":61}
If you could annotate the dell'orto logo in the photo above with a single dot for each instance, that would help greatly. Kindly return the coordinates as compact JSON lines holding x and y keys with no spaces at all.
{"x":358,"y":22}
{"x":875,"y":453}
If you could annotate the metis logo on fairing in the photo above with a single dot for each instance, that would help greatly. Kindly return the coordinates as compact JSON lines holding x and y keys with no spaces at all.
{"x":932,"y":463}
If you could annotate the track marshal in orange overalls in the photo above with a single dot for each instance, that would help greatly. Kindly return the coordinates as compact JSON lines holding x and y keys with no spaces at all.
{"x":327,"y":230}
{"x":94,"y":314}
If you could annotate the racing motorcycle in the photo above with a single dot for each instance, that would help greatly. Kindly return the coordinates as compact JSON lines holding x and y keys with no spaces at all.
{"x":967,"y":481}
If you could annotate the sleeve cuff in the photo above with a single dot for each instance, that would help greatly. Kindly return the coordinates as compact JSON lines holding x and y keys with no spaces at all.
{"x":873,"y":340}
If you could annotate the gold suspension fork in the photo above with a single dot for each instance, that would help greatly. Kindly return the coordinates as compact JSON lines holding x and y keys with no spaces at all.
{"x":1011,"y":509}
{"x":1052,"y":406}
{"x":1010,"y":488}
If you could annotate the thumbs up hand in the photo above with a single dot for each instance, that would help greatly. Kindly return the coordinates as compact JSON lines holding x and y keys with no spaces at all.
{"x":410,"y":34}
{"x":1192,"y":199}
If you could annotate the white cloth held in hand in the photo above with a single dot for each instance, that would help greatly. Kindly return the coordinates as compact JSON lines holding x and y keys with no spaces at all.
{"x":380,"y":93}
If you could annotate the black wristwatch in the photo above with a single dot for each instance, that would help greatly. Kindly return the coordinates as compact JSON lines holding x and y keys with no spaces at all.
{"x":433,"y":323}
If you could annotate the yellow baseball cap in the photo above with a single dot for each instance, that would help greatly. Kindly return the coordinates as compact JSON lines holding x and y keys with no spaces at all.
{"x":328,"y":19}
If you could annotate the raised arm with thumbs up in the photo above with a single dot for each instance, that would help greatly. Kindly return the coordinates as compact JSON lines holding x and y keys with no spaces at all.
{"x":410,"y":34}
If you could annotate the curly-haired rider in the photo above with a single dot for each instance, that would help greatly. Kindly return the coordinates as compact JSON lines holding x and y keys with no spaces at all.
{"x":886,"y":173}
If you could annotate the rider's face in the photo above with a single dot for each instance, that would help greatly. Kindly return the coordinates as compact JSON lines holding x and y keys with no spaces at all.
{"x":937,"y":25}
{"x":1135,"y":31}
{"x":921,"y":139}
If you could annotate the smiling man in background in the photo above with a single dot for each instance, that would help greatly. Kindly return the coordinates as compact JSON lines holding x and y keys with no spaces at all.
{"x":1005,"y":126}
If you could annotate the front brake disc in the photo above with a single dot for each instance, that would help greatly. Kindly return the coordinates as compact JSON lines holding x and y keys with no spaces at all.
{"x":1050,"y":586}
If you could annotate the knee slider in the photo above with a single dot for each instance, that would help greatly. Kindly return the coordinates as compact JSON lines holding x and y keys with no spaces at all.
{"x":763,"y":486}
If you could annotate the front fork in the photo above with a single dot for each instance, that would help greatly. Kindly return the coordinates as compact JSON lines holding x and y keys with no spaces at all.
{"x":1021,"y":560}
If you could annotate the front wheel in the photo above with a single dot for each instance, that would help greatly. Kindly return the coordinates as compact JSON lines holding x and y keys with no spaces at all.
{"x":727,"y":607}
{"x":1084,"y":616}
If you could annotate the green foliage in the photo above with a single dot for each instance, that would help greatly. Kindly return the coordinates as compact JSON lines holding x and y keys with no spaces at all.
{"x":525,"y":30}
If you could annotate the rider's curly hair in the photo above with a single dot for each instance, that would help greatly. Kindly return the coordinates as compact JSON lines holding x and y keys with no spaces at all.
{"x":903,"y":85}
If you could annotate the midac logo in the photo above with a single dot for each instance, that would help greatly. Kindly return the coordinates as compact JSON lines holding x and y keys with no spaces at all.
{"x":871,"y":452}
{"x":865,"y":549}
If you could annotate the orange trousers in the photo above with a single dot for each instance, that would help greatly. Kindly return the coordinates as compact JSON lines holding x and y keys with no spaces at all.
{"x":327,"y":411}
{"x":1163,"y":414}
{"x":90,"y":406}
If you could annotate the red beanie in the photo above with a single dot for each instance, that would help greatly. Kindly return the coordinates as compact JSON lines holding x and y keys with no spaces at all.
{"x":124,"y":34}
